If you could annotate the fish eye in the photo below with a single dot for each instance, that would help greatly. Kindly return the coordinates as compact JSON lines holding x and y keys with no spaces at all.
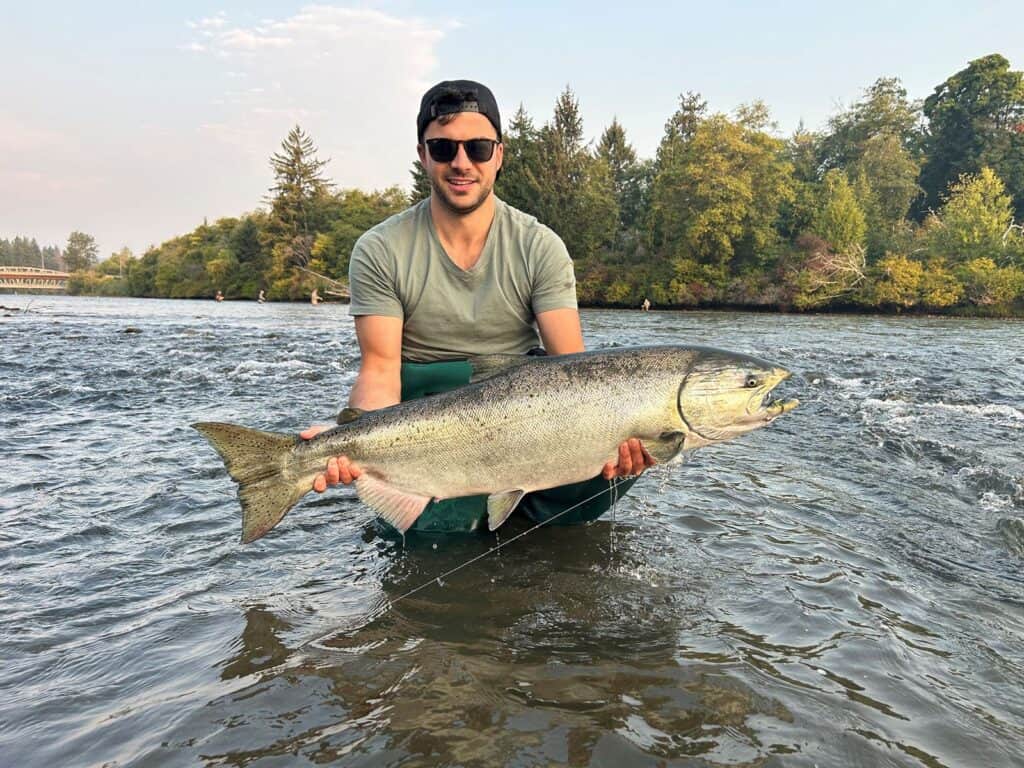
{"x":751,"y":382}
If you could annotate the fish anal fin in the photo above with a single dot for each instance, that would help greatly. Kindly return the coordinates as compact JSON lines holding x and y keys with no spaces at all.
{"x":500,"y":505}
{"x":399,"y":508}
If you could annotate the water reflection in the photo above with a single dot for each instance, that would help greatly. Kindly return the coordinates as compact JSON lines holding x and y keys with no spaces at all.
{"x":562,"y":649}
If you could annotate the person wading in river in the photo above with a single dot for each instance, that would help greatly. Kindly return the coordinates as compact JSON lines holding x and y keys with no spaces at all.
{"x":458,"y":275}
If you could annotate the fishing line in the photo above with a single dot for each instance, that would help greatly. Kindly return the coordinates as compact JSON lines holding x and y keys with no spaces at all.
{"x":613,"y":488}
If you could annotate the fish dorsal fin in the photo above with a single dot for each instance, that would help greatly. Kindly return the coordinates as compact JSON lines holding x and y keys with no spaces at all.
{"x":486,"y":366}
{"x":400,"y":508}
{"x":500,"y":505}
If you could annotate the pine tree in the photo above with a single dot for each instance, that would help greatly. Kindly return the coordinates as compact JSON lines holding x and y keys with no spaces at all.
{"x":80,"y":252}
{"x":299,"y":185}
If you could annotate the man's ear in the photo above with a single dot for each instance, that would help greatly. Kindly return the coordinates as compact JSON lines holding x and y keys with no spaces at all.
{"x":500,"y":149}
{"x":421,"y":150}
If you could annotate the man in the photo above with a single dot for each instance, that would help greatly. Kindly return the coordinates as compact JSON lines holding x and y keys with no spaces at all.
{"x":457,"y":275}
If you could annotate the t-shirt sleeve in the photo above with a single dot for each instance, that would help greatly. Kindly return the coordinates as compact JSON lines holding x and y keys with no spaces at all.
{"x":554,"y":281}
{"x":371,"y":280}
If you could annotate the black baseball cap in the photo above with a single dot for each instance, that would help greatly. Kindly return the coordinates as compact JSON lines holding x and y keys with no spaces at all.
{"x":451,"y":96}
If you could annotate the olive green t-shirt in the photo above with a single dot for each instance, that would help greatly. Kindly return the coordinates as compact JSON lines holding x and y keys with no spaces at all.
{"x":400,"y":269}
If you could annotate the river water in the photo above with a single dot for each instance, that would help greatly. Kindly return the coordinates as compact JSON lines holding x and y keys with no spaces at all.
{"x":843,"y":588}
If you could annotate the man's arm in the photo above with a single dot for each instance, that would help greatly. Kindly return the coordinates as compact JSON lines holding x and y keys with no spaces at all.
{"x":560,"y":331}
{"x":379,"y":382}
{"x":378,"y":385}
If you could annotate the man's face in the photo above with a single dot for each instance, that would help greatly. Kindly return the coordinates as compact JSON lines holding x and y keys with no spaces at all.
{"x":462,"y":186}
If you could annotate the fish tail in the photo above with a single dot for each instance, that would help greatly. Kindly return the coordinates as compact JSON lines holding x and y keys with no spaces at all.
{"x":257,"y":462}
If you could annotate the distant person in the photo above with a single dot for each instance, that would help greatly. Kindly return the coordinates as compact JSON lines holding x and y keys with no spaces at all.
{"x":646,"y":304}
{"x":262,"y":297}
{"x":219,"y":296}
{"x":314,"y":298}
{"x":462,"y":274}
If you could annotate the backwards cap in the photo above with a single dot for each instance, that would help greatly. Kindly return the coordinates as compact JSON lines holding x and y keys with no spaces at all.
{"x":452,"y":96}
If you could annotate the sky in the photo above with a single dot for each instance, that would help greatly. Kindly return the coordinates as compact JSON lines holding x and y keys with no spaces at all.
{"x":134,"y":122}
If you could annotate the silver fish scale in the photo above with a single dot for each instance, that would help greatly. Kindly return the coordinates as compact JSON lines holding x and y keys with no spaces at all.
{"x":549,"y":422}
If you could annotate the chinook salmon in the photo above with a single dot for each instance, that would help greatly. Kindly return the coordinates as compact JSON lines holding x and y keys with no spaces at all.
{"x":541,"y":423}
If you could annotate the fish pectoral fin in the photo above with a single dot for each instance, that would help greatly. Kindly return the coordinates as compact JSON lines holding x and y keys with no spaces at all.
{"x":500,"y":505}
{"x":666,"y":447}
{"x":400,"y":508}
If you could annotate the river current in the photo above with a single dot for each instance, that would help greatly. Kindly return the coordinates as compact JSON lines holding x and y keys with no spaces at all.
{"x":842,"y":588}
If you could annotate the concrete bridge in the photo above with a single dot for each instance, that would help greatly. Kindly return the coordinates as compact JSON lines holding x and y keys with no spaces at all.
{"x":32,"y":279}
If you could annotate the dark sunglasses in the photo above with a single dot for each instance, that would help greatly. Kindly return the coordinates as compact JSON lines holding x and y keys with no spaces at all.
{"x":445,"y":150}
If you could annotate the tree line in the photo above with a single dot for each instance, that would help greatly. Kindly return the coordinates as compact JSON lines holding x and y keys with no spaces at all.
{"x":896,"y":205}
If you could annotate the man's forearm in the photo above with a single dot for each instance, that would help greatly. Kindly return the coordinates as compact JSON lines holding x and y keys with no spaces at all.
{"x":375,"y":389}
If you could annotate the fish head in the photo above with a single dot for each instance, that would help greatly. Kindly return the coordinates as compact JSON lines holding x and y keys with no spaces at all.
{"x":725,"y":395}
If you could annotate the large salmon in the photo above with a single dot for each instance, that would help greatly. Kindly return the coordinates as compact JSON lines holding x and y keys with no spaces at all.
{"x":544,"y":422}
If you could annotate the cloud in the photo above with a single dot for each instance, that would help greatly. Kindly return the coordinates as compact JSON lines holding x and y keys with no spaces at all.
{"x":137,"y":165}
{"x":210,"y":22}
{"x":352,"y":77}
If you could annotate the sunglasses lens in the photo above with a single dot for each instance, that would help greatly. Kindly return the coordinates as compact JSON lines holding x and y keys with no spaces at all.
{"x":445,"y":150}
{"x":480,"y":150}
{"x":442,"y":150}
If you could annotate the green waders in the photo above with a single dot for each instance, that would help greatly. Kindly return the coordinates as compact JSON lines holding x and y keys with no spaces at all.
{"x":469,"y":513}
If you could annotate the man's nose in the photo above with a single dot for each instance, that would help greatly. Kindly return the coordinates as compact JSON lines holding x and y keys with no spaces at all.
{"x":461,"y":159}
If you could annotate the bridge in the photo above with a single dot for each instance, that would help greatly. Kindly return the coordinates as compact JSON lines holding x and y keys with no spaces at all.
{"x":32,"y":279}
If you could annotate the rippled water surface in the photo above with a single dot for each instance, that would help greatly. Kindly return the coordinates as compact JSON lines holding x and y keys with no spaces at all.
{"x":842,"y":588}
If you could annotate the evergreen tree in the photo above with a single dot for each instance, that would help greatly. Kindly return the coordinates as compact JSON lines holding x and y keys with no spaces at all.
{"x":420,"y":183}
{"x":841,"y":221}
{"x":518,"y":183}
{"x":576,"y":197}
{"x":627,"y":174}
{"x":80,"y":252}
{"x":299,"y":186}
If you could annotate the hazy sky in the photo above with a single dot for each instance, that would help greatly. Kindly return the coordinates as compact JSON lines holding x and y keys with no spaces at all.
{"x":133,"y":123}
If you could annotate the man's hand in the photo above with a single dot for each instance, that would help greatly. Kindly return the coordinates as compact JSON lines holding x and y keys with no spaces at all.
{"x":633,"y":459}
{"x":339,"y":468}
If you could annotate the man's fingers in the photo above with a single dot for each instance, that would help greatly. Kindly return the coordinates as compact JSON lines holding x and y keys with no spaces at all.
{"x":609,"y":471}
{"x":649,"y":461}
{"x":311,"y":432}
{"x":636,"y":457}
{"x":625,"y":460}
{"x":319,"y":484}
{"x":333,"y":472}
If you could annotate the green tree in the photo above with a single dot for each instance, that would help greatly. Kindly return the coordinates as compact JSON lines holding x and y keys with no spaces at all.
{"x":576,"y":196}
{"x":353,"y":212}
{"x":80,"y":252}
{"x":975,"y":221}
{"x":717,"y":195}
{"x":802,"y":151}
{"x":518,"y":183}
{"x":841,"y":220}
{"x":420,"y":183}
{"x":976,"y":119}
{"x":298,"y":188}
{"x":885,"y":185}
{"x":883,"y":111}
{"x":250,"y":257}
{"x":628,"y":175}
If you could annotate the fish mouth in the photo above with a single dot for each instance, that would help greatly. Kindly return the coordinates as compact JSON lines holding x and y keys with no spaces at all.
{"x":768,"y":408}
{"x":772,"y":409}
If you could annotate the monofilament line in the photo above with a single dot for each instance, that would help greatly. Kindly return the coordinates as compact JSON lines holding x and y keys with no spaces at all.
{"x":613,"y":489}
{"x":492,"y":550}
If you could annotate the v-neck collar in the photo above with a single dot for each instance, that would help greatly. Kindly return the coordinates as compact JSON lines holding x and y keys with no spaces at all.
{"x":485,"y":252}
